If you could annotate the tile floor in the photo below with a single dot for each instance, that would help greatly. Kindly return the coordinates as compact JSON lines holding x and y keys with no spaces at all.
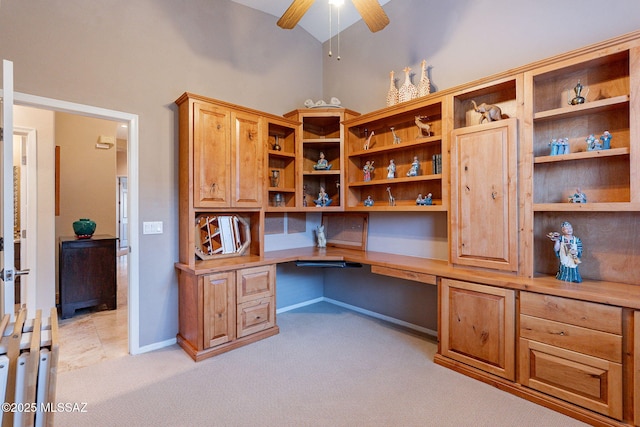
{"x":93,"y":336}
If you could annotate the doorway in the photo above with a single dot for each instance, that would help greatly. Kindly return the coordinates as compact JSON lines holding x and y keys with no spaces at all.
{"x":132,"y":275}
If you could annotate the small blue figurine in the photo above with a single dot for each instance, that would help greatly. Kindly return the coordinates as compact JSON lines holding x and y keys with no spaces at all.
{"x":568,"y":249}
{"x":606,"y":140}
{"x":578,"y":197}
{"x":368,"y":201}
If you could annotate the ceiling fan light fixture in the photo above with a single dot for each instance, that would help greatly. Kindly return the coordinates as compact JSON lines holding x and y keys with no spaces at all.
{"x":336,"y":2}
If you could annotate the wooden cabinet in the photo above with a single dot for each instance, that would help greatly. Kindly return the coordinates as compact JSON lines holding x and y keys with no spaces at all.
{"x":477,"y":326}
{"x":322,"y":134}
{"x":484,"y":185}
{"x":87,"y":273}
{"x":281,"y":166}
{"x":226,"y":149}
{"x":393,"y":135}
{"x":221,"y":172}
{"x":572,"y":350}
{"x":225,"y":310}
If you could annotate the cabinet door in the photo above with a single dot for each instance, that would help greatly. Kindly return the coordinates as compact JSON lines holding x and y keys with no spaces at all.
{"x":247,"y":152}
{"x":584,"y":380}
{"x":477,"y":326}
{"x":484,"y":227}
{"x":211,"y":156}
{"x":254,"y":283}
{"x":219,"y":309}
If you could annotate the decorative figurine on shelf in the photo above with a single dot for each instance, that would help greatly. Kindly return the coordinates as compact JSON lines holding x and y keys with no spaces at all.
{"x":488,"y":112}
{"x":323,"y":198}
{"x":391,"y":169}
{"x":578,"y":197}
{"x":392,"y":95}
{"x":428,"y":201}
{"x":322,"y":164}
{"x":424,"y":85}
{"x":578,"y":99}
{"x":425,"y":128}
{"x":368,"y":202}
{"x":304,"y":196}
{"x":592,"y":143}
{"x":275,"y":177}
{"x":606,"y":140}
{"x":322,"y":238}
{"x":569,"y":249}
{"x":420,"y":200}
{"x":368,"y":170}
{"x":408,"y":90}
{"x":392,"y":200}
{"x":277,"y":200}
{"x":367,"y":143}
{"x":559,"y":146}
{"x":415,"y":165}
{"x":396,"y":138}
{"x":276,"y":145}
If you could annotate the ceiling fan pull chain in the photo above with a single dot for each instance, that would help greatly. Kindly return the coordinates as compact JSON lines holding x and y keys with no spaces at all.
{"x":330,"y":35}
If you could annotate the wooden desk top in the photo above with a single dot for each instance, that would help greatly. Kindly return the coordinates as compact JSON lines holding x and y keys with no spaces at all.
{"x":619,"y":294}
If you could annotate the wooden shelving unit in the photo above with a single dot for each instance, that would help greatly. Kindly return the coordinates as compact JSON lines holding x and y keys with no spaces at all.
{"x":396,"y":136}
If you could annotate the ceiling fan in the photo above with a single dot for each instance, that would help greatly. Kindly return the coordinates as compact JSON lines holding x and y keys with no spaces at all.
{"x":370,"y":10}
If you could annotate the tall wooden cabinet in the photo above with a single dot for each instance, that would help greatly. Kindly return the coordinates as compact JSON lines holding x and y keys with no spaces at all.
{"x":221,"y":199}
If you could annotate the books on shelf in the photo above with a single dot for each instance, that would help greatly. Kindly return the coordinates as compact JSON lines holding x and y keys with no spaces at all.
{"x":437,"y":164}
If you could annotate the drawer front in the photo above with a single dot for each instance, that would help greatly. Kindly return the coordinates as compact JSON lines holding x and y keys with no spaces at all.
{"x":590,"y":315}
{"x":587,"y":381}
{"x":255,"y":316}
{"x":254,"y":283}
{"x":594,"y":343}
{"x":429,"y":279}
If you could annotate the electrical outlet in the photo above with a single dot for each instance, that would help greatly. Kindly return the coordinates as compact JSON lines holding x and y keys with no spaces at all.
{"x":152,"y":227}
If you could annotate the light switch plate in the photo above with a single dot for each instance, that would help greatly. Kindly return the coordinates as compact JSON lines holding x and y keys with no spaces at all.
{"x":152,"y":227}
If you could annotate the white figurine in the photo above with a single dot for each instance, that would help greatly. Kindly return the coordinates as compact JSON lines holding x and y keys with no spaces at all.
{"x":322,"y":239}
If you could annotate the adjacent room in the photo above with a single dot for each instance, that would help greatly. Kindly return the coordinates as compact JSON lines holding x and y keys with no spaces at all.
{"x":325,"y":212}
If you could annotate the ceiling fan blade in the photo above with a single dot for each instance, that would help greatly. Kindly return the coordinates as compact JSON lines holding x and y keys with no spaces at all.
{"x":372,"y":14}
{"x":294,"y":13}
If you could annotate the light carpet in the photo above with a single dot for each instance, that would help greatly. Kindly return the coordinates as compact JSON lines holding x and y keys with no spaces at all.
{"x":329,"y":366}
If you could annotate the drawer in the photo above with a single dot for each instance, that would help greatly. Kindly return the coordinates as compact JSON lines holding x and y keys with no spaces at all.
{"x":587,"y":381}
{"x":256,"y":282}
{"x":590,"y":315}
{"x":588,"y":341}
{"x":255,"y":316}
{"x":429,"y":279}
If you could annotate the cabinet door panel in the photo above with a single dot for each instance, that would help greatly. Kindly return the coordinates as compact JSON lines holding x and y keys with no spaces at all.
{"x":211,"y":153}
{"x":484,"y":196}
{"x":587,"y":381}
{"x":247,"y":146}
{"x":219,"y":309}
{"x":478,"y":326}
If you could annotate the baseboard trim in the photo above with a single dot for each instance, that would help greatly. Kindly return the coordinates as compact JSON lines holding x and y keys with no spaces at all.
{"x":299,"y":305}
{"x":155,"y":346}
{"x":382,"y":317}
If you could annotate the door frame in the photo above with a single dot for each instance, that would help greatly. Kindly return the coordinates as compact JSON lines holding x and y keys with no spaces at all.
{"x":30,"y":137}
{"x":132,"y":122}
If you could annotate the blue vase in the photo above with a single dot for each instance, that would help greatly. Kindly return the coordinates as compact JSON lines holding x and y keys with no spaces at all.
{"x":84,"y":228}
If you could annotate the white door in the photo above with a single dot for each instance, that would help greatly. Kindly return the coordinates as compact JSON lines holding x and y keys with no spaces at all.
{"x":6,"y":189}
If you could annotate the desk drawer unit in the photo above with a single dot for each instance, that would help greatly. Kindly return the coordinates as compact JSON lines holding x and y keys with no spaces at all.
{"x":572,"y":350}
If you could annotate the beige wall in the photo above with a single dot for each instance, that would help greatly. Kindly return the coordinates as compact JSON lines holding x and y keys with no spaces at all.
{"x":87,"y":174}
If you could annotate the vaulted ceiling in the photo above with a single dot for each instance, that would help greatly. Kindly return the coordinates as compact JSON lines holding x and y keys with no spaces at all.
{"x":316,"y":20}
